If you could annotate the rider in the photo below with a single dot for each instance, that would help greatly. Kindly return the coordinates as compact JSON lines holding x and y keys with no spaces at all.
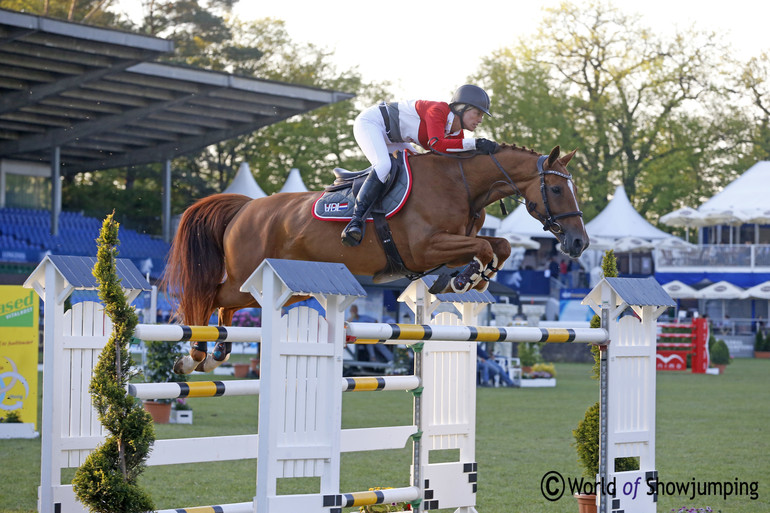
{"x":436,"y":126}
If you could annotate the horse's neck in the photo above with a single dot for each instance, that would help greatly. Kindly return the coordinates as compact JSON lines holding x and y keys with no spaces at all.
{"x":489,"y":182}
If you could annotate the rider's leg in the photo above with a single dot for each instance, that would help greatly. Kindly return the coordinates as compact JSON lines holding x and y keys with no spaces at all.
{"x":369,"y":193}
{"x":369,"y":131}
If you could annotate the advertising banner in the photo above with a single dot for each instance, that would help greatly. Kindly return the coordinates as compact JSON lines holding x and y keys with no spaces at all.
{"x":19,"y":311}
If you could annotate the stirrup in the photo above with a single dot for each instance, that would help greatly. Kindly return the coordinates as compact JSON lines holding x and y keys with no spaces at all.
{"x":348,"y":238}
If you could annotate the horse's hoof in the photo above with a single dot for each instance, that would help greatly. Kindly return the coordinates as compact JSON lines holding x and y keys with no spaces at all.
{"x":197,"y":355}
{"x":210,"y":363}
{"x":184,"y":365}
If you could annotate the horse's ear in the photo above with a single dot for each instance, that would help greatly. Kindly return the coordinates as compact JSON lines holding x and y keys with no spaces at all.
{"x":566,"y":158}
{"x":553,"y":156}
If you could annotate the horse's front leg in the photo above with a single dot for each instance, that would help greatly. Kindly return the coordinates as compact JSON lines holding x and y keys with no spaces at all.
{"x":502,"y":250}
{"x":454,"y":251}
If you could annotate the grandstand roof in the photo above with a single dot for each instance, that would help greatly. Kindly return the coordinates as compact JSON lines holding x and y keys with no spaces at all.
{"x":92,"y":93}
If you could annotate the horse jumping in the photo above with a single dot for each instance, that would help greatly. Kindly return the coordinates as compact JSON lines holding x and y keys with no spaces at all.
{"x":221,"y":239}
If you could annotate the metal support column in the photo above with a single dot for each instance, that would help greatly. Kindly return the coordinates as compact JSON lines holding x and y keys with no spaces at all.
{"x":167,"y":200}
{"x":55,"y":189}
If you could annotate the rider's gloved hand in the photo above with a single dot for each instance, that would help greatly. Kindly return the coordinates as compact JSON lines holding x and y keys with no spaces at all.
{"x":486,"y":146}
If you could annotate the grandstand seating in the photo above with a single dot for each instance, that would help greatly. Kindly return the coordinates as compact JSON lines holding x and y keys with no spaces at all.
{"x":25,"y":236}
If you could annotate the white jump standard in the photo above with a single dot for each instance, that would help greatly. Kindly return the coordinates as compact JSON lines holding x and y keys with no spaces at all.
{"x":301,"y":388}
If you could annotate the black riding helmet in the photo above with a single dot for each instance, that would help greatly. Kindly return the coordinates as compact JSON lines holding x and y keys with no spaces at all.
{"x":468,"y":96}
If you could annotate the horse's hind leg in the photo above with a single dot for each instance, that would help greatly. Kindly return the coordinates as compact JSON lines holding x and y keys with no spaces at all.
{"x":188,"y":363}
{"x":221,"y":352}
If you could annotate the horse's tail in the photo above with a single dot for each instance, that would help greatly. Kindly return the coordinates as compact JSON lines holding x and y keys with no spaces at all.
{"x":196,"y":264}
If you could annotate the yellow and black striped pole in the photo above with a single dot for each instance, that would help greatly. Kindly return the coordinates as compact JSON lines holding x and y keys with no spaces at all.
{"x":374,"y":333}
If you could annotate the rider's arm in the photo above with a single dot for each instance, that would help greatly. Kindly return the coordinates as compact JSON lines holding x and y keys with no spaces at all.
{"x":434,"y":117}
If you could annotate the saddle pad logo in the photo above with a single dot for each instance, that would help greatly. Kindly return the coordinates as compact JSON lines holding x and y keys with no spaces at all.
{"x":335,"y":207}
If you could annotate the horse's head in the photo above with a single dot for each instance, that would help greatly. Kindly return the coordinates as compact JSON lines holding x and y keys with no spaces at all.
{"x":553,"y":201}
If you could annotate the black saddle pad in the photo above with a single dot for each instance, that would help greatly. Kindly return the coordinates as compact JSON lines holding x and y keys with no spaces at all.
{"x":337,"y":204}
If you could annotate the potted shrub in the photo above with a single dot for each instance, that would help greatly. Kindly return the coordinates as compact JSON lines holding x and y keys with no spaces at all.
{"x":720,"y":355}
{"x":529,"y":355}
{"x":159,"y":368}
{"x":587,"y":432}
{"x":761,"y":345}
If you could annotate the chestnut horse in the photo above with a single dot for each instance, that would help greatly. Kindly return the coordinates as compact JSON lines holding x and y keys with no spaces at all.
{"x":222,"y":239}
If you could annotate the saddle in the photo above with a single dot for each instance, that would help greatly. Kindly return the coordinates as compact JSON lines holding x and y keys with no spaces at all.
{"x":337,"y":201}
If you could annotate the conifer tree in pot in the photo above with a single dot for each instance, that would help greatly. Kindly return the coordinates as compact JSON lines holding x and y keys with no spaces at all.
{"x":587,"y":432}
{"x":107,"y":480}
{"x":159,"y":368}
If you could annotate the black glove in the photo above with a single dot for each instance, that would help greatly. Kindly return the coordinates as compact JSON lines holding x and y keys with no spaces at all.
{"x":486,"y":146}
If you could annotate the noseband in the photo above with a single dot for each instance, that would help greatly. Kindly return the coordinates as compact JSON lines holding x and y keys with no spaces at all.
{"x":550,"y":221}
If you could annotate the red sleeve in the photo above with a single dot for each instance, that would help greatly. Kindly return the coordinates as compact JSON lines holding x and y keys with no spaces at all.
{"x":432,"y":133}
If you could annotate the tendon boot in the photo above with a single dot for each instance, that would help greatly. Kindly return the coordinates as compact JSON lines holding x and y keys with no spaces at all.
{"x":369,"y":193}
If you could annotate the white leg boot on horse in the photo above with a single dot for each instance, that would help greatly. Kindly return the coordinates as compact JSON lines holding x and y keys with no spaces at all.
{"x":187,"y":363}
{"x":369,"y":193}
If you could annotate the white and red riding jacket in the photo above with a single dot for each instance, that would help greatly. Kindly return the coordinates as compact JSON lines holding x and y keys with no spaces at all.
{"x":428,"y":124}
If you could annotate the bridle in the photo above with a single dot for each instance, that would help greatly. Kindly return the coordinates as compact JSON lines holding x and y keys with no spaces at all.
{"x":549,"y":220}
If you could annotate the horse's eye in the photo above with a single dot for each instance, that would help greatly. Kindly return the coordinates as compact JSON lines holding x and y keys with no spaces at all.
{"x":556,"y":189}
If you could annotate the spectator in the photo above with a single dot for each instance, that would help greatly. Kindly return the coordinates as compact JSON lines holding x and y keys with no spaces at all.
{"x":489,"y":368}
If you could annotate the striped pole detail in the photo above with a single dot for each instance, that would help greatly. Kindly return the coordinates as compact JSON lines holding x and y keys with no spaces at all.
{"x":240,"y":507}
{"x":363,"y":384}
{"x":369,"y":332}
{"x":251,"y":387}
{"x":180,"y":333}
{"x":194,"y":389}
{"x":388,"y":495}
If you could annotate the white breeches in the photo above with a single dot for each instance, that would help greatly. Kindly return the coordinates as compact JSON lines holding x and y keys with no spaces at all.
{"x":369,"y":131}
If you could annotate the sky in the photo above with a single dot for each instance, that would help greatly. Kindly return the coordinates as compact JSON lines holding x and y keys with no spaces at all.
{"x":427,"y":52}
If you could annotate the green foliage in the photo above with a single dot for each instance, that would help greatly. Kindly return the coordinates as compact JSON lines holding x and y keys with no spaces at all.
{"x":12,"y":417}
{"x":587,"y":441}
{"x":529,"y":353}
{"x":719,"y":353}
{"x":587,"y":433}
{"x":107,"y":481}
{"x":623,"y":95}
{"x":759,"y":341}
{"x":159,"y":366}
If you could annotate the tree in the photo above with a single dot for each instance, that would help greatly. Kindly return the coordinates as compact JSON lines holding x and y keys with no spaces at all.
{"x":645,"y":112}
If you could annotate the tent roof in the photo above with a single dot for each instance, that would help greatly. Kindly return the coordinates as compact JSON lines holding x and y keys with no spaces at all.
{"x":620,"y":219}
{"x":294,"y":182}
{"x":520,"y":222}
{"x":750,"y":190}
{"x":244,"y":183}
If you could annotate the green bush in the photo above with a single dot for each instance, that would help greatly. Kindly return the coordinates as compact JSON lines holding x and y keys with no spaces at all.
{"x":529,"y":353}
{"x":587,"y":441}
{"x":160,"y":364}
{"x":719,"y":353}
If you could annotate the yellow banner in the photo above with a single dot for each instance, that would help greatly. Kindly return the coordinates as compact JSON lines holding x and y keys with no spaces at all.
{"x":19,"y":311}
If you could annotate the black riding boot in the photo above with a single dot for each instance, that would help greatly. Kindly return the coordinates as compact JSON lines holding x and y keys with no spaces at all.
{"x":369,"y":193}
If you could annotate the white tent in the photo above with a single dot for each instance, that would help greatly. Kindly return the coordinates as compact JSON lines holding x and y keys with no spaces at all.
{"x":244,"y":183}
{"x":294,"y":182}
{"x":678,"y":290}
{"x":519,"y":222}
{"x":619,"y":219}
{"x":747,"y":192}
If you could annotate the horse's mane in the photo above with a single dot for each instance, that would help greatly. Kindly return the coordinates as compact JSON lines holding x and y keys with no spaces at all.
{"x":503,"y":146}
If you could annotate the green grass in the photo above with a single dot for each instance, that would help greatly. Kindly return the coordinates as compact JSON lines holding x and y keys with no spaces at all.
{"x":709,"y":428}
